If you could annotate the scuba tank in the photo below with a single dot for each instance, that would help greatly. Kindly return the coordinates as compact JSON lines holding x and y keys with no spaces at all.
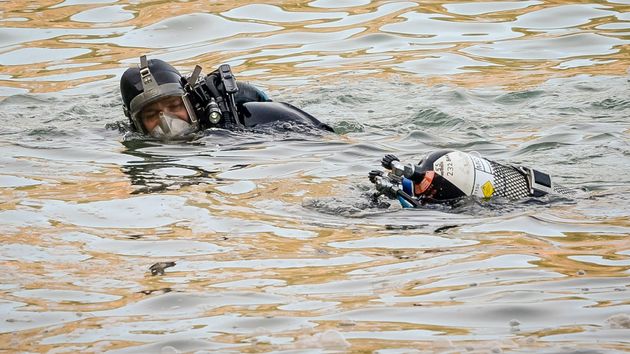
{"x":448,"y":175}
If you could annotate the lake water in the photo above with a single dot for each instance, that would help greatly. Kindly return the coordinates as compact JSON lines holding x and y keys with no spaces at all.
{"x":276,"y":247}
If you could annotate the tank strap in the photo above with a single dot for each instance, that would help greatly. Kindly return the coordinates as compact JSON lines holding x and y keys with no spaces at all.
{"x":539,"y":183}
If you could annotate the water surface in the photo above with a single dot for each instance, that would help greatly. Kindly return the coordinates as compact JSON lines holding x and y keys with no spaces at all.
{"x":277,"y":247}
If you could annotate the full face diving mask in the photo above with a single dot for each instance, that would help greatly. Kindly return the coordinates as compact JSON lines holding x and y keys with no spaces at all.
{"x":170,"y":126}
{"x":153,"y":90}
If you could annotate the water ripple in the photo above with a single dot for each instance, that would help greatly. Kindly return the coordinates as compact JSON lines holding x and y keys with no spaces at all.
{"x":278,"y":242}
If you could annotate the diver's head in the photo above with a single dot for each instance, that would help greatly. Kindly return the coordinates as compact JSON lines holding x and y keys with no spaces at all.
{"x":155,"y":101}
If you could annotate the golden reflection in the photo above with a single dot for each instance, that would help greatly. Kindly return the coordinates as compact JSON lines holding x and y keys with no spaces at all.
{"x":75,"y":264}
{"x":138,"y":285}
{"x":109,"y":57}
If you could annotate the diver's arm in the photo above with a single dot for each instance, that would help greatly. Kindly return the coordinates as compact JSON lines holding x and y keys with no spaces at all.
{"x":255,"y":113}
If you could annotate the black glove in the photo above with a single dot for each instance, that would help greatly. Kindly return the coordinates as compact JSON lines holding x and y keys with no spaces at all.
{"x":387,"y":161}
{"x":373,"y":174}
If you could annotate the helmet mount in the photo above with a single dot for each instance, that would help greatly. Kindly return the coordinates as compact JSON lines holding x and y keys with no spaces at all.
{"x":148,"y":82}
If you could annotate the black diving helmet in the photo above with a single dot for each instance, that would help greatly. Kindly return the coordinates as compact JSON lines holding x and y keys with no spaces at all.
{"x":155,"y":101}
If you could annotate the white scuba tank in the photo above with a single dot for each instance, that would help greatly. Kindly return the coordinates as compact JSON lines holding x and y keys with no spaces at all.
{"x":447,"y":175}
{"x":471,"y":174}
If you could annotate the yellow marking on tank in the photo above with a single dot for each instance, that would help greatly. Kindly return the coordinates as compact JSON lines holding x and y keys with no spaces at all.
{"x":487,"y":189}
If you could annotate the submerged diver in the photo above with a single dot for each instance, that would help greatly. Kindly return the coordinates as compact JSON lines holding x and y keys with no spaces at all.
{"x":447,"y":176}
{"x":162,"y":103}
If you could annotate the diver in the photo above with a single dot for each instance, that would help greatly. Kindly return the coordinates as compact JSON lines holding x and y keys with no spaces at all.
{"x":448,"y":176}
{"x":162,"y":103}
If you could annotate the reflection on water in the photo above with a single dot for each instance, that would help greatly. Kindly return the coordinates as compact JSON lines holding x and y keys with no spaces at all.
{"x":87,"y":42}
{"x":276,"y":242}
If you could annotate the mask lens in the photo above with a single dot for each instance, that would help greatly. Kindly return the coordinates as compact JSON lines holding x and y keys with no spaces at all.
{"x":166,"y":117}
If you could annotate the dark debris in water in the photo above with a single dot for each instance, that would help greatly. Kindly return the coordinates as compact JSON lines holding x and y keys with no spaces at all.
{"x":159,"y":267}
{"x":161,"y":291}
{"x":441,"y":229}
{"x":435,"y":250}
{"x":404,"y":227}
